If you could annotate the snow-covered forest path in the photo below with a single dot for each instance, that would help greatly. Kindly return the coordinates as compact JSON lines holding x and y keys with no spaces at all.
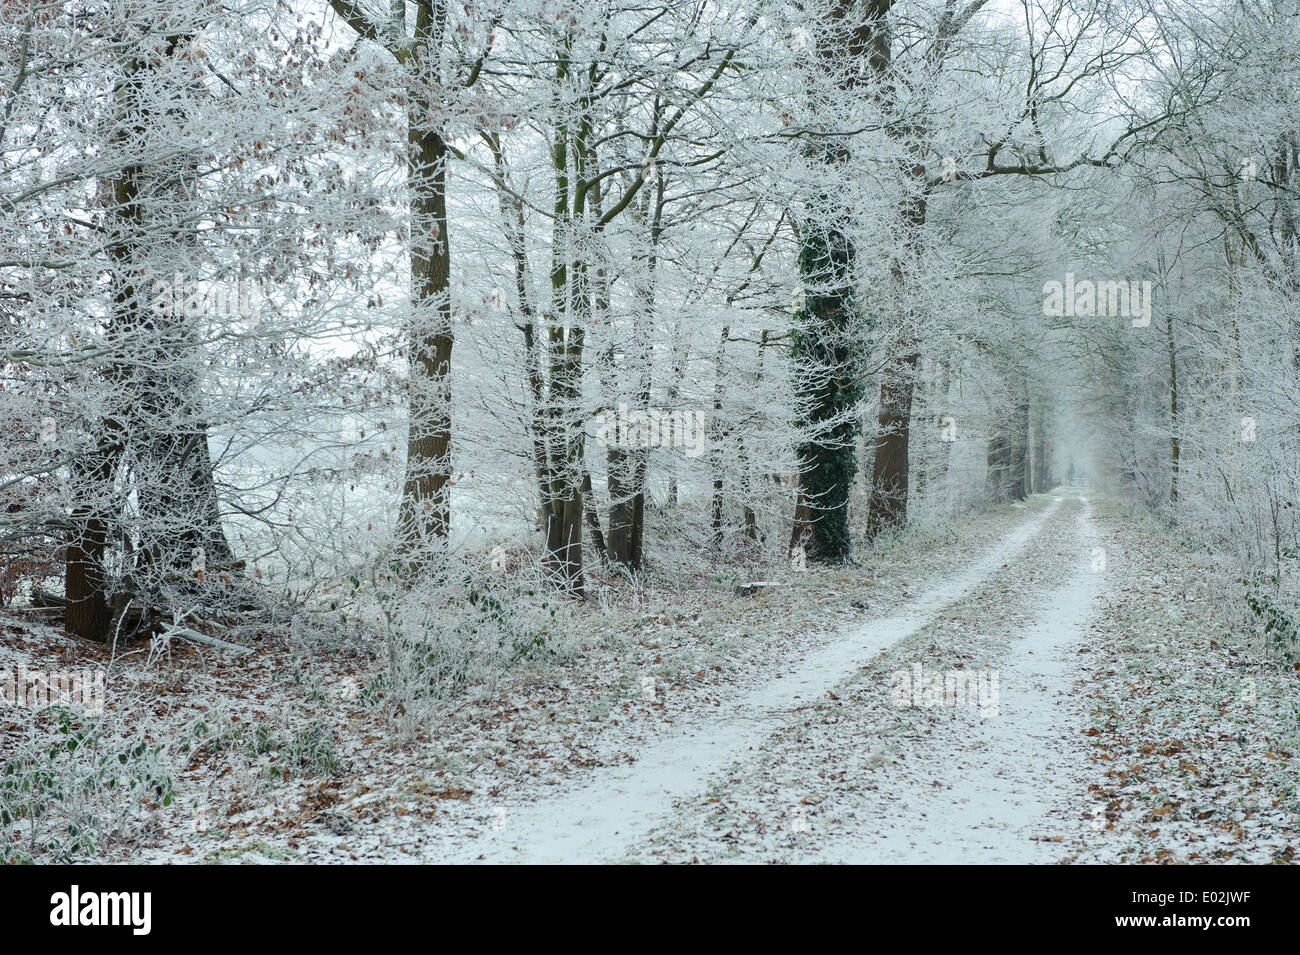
{"x":1042,"y":683}
{"x":1011,"y":778}
{"x":984,"y":776}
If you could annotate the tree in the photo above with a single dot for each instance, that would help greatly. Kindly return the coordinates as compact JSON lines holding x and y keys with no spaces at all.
{"x":425,"y":516}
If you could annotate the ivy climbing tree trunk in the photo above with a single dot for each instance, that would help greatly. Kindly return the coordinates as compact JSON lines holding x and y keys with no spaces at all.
{"x":828,"y":322}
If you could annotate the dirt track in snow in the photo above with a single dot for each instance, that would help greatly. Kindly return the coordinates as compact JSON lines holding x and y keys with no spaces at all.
{"x":1014,"y":777}
{"x":1126,"y":727}
{"x":1005,"y":778}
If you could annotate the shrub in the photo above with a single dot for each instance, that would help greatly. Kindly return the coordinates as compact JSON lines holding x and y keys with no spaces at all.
{"x":71,"y":788}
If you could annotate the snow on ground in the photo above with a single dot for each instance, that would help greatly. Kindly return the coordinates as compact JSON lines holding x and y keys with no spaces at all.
{"x":596,"y":821}
{"x":1194,"y":736}
{"x":689,"y":723}
{"x":856,"y":777}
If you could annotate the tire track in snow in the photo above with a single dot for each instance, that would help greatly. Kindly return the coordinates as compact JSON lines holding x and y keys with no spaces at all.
{"x":598,"y":820}
{"x":1016,"y":773}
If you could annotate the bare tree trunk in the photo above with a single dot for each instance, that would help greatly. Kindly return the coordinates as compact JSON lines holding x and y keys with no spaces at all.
{"x":162,"y":424}
{"x":592,"y":518}
{"x":425,"y":514}
{"x":1042,"y":481}
{"x":512,"y":217}
{"x":1018,"y":479}
{"x":801,"y":528}
{"x":890,"y":475}
{"x":719,"y":436}
{"x":674,"y":393}
{"x":86,"y":613}
{"x":570,"y":310}
{"x":628,"y":470}
{"x":746,"y":477}
{"x":921,"y":404}
{"x":997,"y":462}
{"x":946,"y":436}
{"x":890,"y":472}
{"x":626,"y":478}
{"x":1174,"y":442}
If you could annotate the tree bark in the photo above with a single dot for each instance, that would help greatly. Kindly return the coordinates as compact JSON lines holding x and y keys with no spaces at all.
{"x":890,"y":471}
{"x":1042,"y":481}
{"x":1175,"y":448}
{"x":424,"y":515}
{"x":570,"y":309}
{"x":86,"y":613}
{"x":424,"y":518}
{"x":828,"y":336}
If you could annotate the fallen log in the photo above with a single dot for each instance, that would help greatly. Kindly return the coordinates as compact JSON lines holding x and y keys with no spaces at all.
{"x":193,"y":636}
